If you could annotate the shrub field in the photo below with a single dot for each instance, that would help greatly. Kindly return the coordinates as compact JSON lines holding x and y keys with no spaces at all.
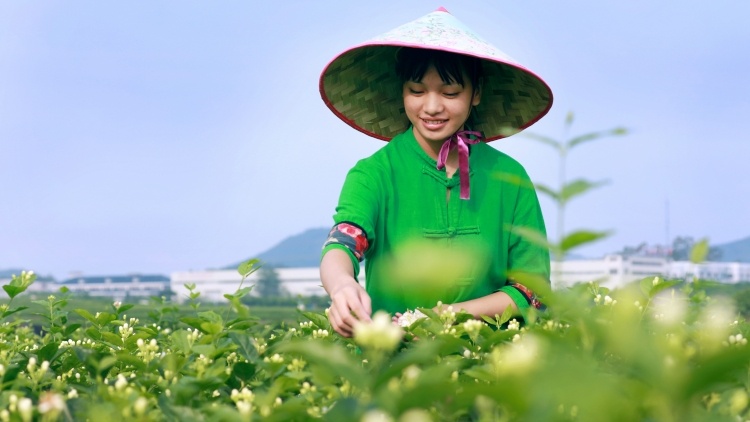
{"x":657,"y":350}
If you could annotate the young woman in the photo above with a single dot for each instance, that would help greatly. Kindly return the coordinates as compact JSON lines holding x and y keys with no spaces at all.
{"x":438,"y":93}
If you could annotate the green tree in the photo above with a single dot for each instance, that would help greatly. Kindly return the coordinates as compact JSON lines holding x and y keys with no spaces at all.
{"x":683,"y":245}
{"x":568,"y":190}
{"x":269,"y":283}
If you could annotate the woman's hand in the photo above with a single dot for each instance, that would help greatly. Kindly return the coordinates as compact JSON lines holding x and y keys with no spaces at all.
{"x":349,"y":300}
{"x":350,"y":303}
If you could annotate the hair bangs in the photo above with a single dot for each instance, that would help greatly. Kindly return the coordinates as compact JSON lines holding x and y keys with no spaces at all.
{"x":412,"y":64}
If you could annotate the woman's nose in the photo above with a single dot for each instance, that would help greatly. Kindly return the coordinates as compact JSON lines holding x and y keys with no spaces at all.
{"x":433,"y":104}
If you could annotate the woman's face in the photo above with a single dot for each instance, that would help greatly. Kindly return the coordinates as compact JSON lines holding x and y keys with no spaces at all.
{"x":438,"y":110}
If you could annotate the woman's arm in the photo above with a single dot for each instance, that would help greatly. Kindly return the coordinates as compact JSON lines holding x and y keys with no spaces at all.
{"x":490,"y":305}
{"x":349,"y":300}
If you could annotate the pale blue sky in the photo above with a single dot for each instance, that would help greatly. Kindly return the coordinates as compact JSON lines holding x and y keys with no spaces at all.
{"x":161,"y":136}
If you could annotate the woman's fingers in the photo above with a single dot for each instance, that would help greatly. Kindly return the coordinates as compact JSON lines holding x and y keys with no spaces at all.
{"x":349,"y":305}
{"x":366,"y":302}
{"x":338,"y":324}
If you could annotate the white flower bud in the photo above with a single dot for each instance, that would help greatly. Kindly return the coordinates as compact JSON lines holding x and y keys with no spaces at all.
{"x":140,"y":406}
{"x":25,"y":409}
{"x":121,"y":382}
{"x":380,"y":334}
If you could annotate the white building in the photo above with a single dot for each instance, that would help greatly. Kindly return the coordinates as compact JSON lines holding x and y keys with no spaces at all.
{"x":610,"y":271}
{"x":214,"y":284}
{"x":118,"y":287}
{"x":618,"y":270}
{"x":723,"y":272}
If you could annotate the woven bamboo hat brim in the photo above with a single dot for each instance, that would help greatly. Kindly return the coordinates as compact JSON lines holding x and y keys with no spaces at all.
{"x":361,"y":87}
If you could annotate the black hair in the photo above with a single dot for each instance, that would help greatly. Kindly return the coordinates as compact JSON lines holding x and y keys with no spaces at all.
{"x":412,"y":64}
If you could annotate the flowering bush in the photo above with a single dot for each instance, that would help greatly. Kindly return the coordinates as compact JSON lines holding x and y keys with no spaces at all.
{"x":652,"y":351}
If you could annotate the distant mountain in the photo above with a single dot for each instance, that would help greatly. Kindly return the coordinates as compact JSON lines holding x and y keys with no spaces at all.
{"x":9,"y":273}
{"x":737,"y":251}
{"x":301,"y":250}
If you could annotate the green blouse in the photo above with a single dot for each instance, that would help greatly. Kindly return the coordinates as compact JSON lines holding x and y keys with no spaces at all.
{"x":398,"y":195}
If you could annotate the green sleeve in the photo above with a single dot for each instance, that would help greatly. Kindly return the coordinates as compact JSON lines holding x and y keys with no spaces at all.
{"x":518,"y":298}
{"x":358,"y":201}
{"x":358,"y":204}
{"x":525,"y":256}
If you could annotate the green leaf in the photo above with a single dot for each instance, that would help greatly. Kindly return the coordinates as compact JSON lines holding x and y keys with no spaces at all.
{"x":13,"y":311}
{"x":243,"y":312}
{"x":699,"y":252}
{"x":513,"y":179}
{"x":646,"y":285}
{"x":422,"y":354}
{"x":211,"y":327}
{"x":245,"y":345}
{"x":533,"y":236}
{"x":716,"y":370}
{"x":130,"y":360}
{"x":204,"y":349}
{"x":506,"y":316}
{"x":193,"y":322}
{"x":569,"y":118}
{"x":11,"y":373}
{"x":70,"y":329}
{"x":320,"y":320}
{"x":244,"y":371}
{"x":578,"y":187}
{"x":112,"y":338}
{"x":543,"y":139}
{"x":93,"y":333}
{"x":331,"y":358}
{"x":581,"y":237}
{"x":248,"y":267}
{"x":87,"y":315}
{"x":211,"y":316}
{"x":578,"y":140}
{"x":239,"y":293}
{"x":180,"y":342}
{"x":47,"y":352}
{"x":489,"y":320}
{"x":124,"y":308}
{"x":663,"y":285}
{"x":548,"y":191}
{"x":243,"y":324}
{"x":13,"y":291}
{"x":105,"y":318}
{"x":243,"y":292}
{"x":104,"y":364}
{"x":131,"y":343}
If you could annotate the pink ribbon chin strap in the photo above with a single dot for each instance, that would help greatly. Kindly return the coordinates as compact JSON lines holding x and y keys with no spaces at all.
{"x":460,"y":140}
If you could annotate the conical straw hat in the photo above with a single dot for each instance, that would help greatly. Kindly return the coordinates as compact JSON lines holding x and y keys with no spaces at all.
{"x":361,"y":87}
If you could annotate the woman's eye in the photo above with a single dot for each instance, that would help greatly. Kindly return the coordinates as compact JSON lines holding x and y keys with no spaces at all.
{"x":415,"y":91}
{"x":451,"y":94}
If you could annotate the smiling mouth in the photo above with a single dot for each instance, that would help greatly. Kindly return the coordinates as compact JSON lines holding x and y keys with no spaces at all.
{"x":434,"y":122}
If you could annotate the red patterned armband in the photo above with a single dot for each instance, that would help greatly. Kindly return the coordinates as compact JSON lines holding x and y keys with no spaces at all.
{"x":350,"y":235}
{"x":529,"y":295}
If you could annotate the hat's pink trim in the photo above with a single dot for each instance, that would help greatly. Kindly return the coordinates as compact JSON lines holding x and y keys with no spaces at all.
{"x":396,"y":44}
